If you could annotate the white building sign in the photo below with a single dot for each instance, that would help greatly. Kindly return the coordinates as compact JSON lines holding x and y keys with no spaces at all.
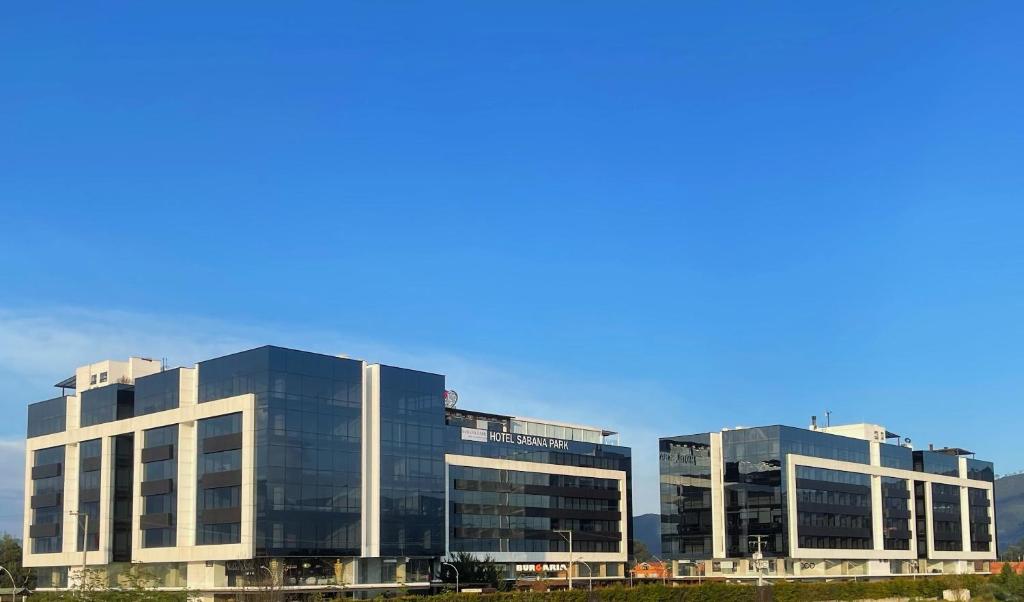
{"x":483,"y":436}
{"x":471,"y":434}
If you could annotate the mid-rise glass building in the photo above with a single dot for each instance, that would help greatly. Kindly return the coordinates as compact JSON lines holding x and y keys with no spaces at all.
{"x":850,"y":500}
{"x":298,"y":470}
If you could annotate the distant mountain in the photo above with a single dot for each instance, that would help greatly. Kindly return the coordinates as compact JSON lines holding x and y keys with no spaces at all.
{"x":1009,"y":517}
{"x":647,"y":528}
{"x":1009,"y":510}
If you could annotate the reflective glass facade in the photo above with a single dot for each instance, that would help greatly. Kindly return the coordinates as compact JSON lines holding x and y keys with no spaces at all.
{"x":937,"y":463}
{"x":219,"y":502}
{"x":896,"y":513}
{"x":514,"y":511}
{"x":981,"y":533}
{"x":686,"y":509}
{"x":159,"y":487}
{"x":107,"y":404}
{"x":947,"y":530}
{"x":492,"y":511}
{"x":89,"y":470}
{"x":157,"y":392}
{"x":47,"y":500}
{"x":754,"y":491}
{"x":896,"y":456}
{"x":980,"y":470}
{"x":833,"y":509}
{"x":46,"y":417}
{"x":412,"y":450}
{"x":308,"y":441}
{"x":123,"y":497}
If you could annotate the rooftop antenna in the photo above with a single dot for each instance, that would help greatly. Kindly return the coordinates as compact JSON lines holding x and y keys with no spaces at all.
{"x":828,"y":418}
{"x":450,"y":399}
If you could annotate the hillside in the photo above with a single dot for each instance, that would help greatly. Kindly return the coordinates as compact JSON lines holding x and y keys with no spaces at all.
{"x":647,"y":528}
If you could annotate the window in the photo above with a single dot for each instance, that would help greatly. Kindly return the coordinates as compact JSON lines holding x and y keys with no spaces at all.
{"x":103,"y":377}
{"x":92,"y":379}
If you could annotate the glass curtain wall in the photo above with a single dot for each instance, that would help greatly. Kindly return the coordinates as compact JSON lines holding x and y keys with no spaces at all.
{"x":89,"y":465}
{"x":685,"y":468}
{"x":47,"y":500}
{"x":412,"y":450}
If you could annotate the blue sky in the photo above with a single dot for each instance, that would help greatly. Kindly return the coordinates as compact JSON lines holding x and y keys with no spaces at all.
{"x":661,"y":217}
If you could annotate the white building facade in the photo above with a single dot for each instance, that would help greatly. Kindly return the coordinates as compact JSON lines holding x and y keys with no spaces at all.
{"x":303,"y":472}
{"x":824,"y":502}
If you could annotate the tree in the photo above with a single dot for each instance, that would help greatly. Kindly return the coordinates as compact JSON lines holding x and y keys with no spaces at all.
{"x":10,"y":559}
{"x":640,"y":552}
{"x":471,"y":570}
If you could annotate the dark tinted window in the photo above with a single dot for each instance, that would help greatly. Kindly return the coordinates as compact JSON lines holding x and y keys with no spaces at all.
{"x":412,"y":449}
{"x":754,"y":490}
{"x":937,"y":463}
{"x":53,"y":514}
{"x":896,"y":456}
{"x":46,"y":417}
{"x":685,"y":468}
{"x":157,"y":392}
{"x":308,"y":432}
{"x":107,"y":404}
{"x":980,"y":470}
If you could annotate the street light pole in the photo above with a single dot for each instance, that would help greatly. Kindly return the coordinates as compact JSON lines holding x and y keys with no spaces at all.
{"x":664,"y":574}
{"x":456,"y":574}
{"x":14,"y":586}
{"x":562,"y":532}
{"x":590,"y":575}
{"x":85,"y":542}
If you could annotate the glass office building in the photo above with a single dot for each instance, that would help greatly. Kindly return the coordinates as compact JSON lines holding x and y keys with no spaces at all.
{"x":827,"y":502}
{"x":516,"y":486}
{"x":285,"y":468}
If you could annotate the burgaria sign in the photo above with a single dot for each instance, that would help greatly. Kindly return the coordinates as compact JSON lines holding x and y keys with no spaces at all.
{"x":541,"y":568}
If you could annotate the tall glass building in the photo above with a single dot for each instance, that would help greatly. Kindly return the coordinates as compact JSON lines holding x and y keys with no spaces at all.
{"x":281,"y":468}
{"x":823,"y":502}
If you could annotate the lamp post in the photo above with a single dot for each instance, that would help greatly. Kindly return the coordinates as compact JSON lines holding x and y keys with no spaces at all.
{"x":664,"y":574}
{"x":85,"y":542}
{"x":562,"y":532}
{"x":590,"y":575}
{"x":14,"y":586}
{"x":456,"y":574}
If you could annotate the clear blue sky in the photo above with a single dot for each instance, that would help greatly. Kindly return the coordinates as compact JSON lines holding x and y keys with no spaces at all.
{"x":667,"y":216}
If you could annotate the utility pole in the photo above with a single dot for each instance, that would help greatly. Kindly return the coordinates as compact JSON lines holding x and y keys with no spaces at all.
{"x":562,"y":532}
{"x":85,"y":542}
{"x":759,"y":561}
{"x":664,"y":570}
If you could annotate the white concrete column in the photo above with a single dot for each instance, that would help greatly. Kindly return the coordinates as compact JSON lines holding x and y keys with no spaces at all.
{"x":106,"y":517}
{"x":965,"y":509}
{"x":965,"y":519}
{"x":717,"y":497}
{"x":371,"y":461}
{"x":247,"y":527}
{"x":185,"y":484}
{"x":27,"y":512}
{"x":913,"y":518}
{"x":70,"y":522}
{"x":877,"y":524}
{"x":930,"y":524}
